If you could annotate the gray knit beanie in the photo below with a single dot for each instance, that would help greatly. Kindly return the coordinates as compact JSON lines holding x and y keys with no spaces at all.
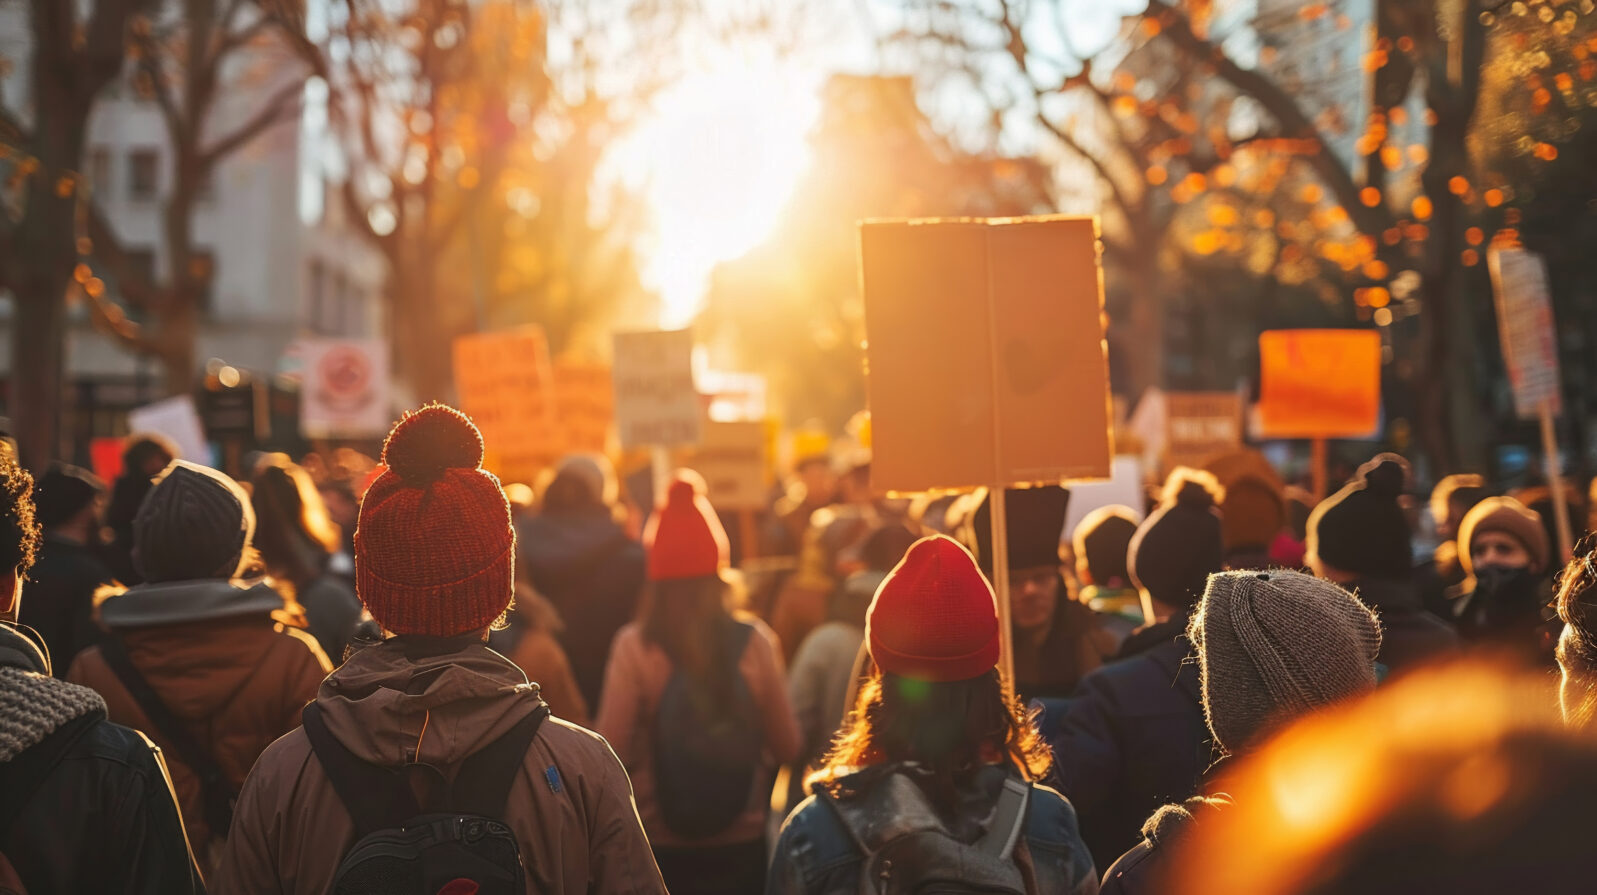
{"x":1276,"y":645}
{"x":194,"y":524}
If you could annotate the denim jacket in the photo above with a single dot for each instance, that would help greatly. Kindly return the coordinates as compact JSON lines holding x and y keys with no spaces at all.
{"x":815,"y":855}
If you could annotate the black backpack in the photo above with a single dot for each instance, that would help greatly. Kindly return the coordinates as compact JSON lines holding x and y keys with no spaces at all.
{"x":401,"y":849}
{"x":909,"y":851}
{"x":707,"y":753}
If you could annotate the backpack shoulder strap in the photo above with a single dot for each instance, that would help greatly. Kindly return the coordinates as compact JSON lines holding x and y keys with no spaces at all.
{"x":376,"y":797}
{"x":738,"y":640}
{"x":482,"y":784}
{"x":1008,"y":819}
{"x":219,"y":793}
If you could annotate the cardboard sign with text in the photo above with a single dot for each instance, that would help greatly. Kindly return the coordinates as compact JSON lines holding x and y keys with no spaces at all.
{"x":1319,"y":383}
{"x":1525,"y":329}
{"x":656,"y":404}
{"x":584,"y":406}
{"x":345,"y":390}
{"x":505,"y":386}
{"x":1200,"y":426}
{"x":733,"y":460}
{"x":986,"y":352}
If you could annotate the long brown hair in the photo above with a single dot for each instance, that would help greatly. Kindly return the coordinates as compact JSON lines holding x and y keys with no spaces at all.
{"x":687,"y":618}
{"x":951,"y":728}
{"x":292,"y":530}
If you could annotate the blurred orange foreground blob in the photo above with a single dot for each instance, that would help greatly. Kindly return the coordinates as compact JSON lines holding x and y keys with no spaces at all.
{"x":1460,"y":779}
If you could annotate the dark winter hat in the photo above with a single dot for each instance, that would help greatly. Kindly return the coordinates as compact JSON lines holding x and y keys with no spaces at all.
{"x":434,"y":548}
{"x":1179,"y":546}
{"x":195,"y":523}
{"x":1362,"y":529}
{"x":1275,"y":645}
{"x":64,"y":491}
{"x":934,"y":617}
{"x":1035,"y":518}
{"x":1103,"y":540}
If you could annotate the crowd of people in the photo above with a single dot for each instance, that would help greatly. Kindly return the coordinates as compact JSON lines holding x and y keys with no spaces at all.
{"x":351,"y":676}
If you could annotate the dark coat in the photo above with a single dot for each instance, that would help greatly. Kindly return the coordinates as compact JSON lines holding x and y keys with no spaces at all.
{"x":1132,"y":738}
{"x":1144,"y":870}
{"x":593,"y":573}
{"x":1410,"y":635}
{"x":60,"y":603}
{"x":86,"y":805}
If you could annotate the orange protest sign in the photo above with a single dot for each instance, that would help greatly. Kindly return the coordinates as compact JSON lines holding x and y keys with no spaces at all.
{"x":504,"y":383}
{"x":1319,"y":383}
{"x":584,"y":406}
{"x":985,"y":351}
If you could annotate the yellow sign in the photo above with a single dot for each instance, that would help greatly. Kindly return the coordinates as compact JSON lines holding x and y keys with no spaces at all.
{"x":504,"y":383}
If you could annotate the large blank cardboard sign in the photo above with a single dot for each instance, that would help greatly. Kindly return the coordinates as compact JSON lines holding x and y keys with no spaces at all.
{"x":986,"y":352}
{"x":1319,"y":383}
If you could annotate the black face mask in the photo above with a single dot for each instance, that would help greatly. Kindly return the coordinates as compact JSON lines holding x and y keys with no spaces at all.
{"x":1506,"y":596}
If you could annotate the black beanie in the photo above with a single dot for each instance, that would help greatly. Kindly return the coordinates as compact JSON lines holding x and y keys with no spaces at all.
{"x":1179,"y":546}
{"x":1362,"y":528}
{"x":1035,"y":520}
{"x":63,"y":492}
{"x":194,"y":524}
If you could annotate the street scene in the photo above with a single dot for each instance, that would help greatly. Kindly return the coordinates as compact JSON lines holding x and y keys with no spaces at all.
{"x":725,"y":447}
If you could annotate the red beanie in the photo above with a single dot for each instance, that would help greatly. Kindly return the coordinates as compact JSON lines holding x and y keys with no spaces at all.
{"x":934,"y":617}
{"x":434,"y":550}
{"x":684,"y":538}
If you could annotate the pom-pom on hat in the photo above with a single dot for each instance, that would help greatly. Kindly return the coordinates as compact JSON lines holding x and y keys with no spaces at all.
{"x":684,"y":537}
{"x":934,"y":617}
{"x":1362,"y":528}
{"x":434,"y":548}
{"x":1179,"y":545}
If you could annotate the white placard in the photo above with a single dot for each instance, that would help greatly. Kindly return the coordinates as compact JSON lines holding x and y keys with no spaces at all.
{"x":656,"y":404}
{"x":177,"y":419}
{"x":1525,"y":325}
{"x":344,"y":392}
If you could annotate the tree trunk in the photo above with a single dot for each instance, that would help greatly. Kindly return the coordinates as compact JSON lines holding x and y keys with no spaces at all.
{"x":38,"y":341}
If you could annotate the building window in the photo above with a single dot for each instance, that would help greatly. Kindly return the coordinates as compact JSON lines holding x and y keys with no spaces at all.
{"x":100,"y":170}
{"x":202,"y":269}
{"x":143,"y":174}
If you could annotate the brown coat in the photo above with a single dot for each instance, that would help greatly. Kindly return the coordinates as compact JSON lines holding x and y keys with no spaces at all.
{"x":439,"y":701}
{"x":540,"y":656}
{"x":237,"y":682}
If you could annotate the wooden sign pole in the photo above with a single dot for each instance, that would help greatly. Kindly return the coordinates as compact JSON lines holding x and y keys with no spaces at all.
{"x":1320,"y":472}
{"x":1000,"y":531}
{"x":1555,"y":482}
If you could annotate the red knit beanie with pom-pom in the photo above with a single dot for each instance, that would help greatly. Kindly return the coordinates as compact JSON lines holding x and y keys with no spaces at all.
{"x":434,"y":549}
{"x":685,"y":538}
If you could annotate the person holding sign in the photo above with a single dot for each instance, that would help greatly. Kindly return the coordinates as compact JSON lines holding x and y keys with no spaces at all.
{"x":1057,"y":640}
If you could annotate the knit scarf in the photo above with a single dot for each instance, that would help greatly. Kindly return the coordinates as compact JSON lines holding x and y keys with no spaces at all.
{"x":32,"y":703}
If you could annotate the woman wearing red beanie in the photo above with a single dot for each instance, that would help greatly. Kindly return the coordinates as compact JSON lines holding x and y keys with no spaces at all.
{"x":934,"y":775}
{"x":695,"y":703}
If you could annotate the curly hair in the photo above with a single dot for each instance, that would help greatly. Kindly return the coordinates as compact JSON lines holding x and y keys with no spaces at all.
{"x":19,"y":531}
{"x":951,"y":728}
{"x":1576,"y":603}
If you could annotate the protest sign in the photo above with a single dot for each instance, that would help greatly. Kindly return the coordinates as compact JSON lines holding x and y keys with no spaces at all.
{"x":177,"y":419}
{"x":732,"y":458}
{"x":1200,"y":426}
{"x":1530,"y":353}
{"x":987,"y":362}
{"x":584,"y":406}
{"x":985,"y":351}
{"x":1124,"y":488}
{"x":1320,"y":383}
{"x":504,"y":382}
{"x":656,"y":404}
{"x":1525,"y":329}
{"x":344,"y":390}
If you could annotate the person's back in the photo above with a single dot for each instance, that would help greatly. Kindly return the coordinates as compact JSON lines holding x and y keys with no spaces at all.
{"x":932,"y":783}
{"x":62,"y":584}
{"x":199,"y":649}
{"x":685,"y":667}
{"x":583,"y":562}
{"x":432,"y":703}
{"x":85,"y":805}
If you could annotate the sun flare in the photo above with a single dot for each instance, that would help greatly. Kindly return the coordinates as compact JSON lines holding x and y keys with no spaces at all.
{"x":716,"y":159}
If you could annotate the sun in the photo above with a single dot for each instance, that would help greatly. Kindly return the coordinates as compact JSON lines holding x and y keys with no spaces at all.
{"x":716,"y":158}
